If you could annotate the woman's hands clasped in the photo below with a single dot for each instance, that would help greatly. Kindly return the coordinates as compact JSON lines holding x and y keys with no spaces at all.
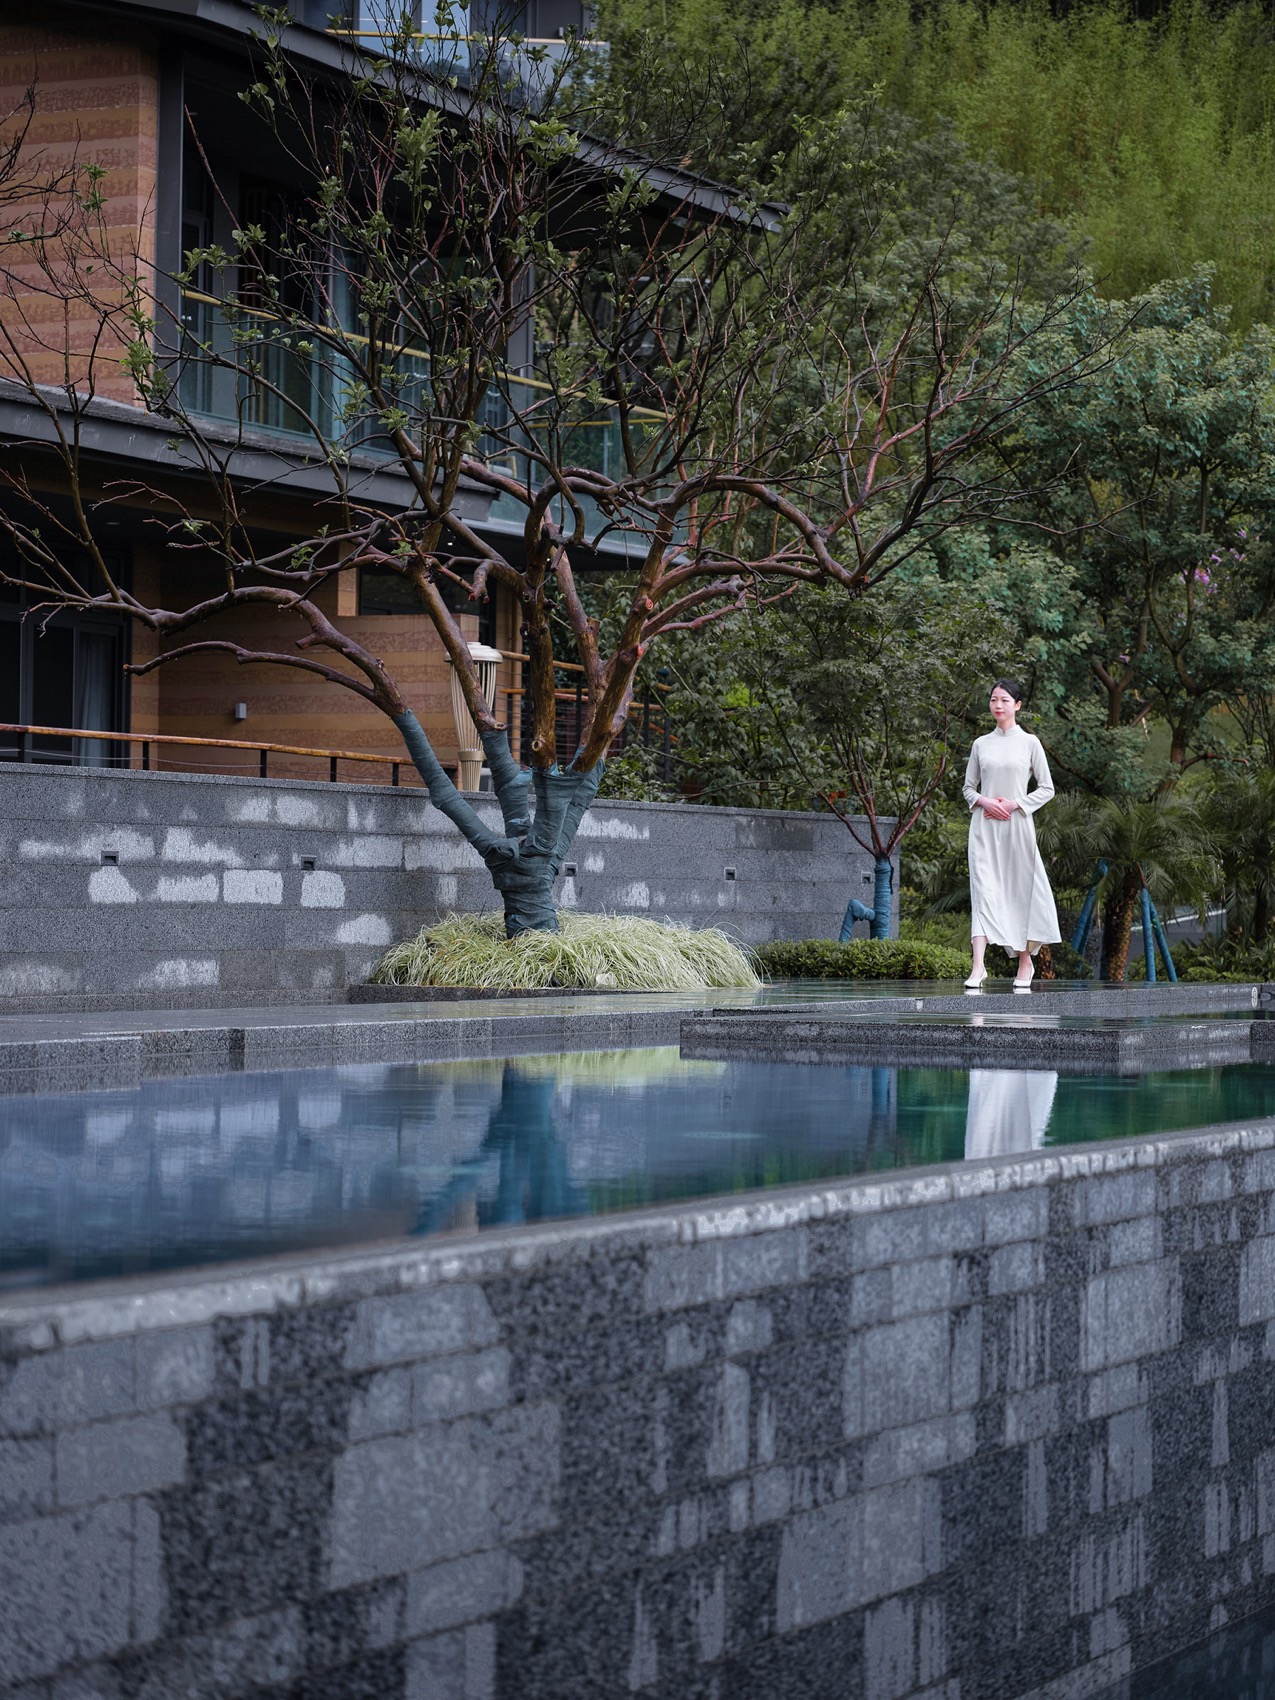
{"x":998,"y":808}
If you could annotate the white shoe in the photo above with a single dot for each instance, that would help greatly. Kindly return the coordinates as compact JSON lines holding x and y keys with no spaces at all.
{"x":1024,"y":985}
{"x":975,"y":981}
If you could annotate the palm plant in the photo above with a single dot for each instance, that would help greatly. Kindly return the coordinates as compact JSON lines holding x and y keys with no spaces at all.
{"x":1164,"y":842}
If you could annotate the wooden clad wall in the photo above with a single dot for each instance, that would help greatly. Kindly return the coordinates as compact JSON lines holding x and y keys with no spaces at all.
{"x":96,"y":100}
{"x":195,"y":696}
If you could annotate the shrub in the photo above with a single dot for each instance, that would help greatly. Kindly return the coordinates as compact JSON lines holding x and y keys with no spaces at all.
{"x":1218,"y":960}
{"x":861,"y":959}
{"x":627,"y":953}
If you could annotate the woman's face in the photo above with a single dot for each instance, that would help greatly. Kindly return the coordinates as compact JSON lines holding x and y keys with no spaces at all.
{"x":1003,"y":706}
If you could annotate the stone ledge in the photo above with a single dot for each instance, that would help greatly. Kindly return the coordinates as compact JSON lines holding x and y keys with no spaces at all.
{"x":43,"y":1320}
{"x":1008,"y":1040}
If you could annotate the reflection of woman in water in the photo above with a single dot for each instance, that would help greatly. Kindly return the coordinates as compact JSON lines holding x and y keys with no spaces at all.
{"x":1008,"y":1111}
{"x":1010,"y":900}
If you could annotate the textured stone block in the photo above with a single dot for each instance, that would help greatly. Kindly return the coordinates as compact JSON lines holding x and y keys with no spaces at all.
{"x":1016,"y":1267}
{"x":820,"y":1565}
{"x":678,"y":1276}
{"x":26,"y":1478}
{"x":902,"y":1536}
{"x":401,"y":1503}
{"x":382,"y":1405}
{"x":1020,"y":1215}
{"x":749,"y":1327}
{"x":65,"y":1584}
{"x":1131,"y":1312}
{"x":955,"y":1227}
{"x":1031,"y":1416}
{"x":1114,"y":1198}
{"x":895,"y":1236}
{"x":1257,"y":1281}
{"x":418,"y":1325}
{"x":459,"y":1386}
{"x":906,"y":1372}
{"x":464,"y":1591}
{"x":921,"y":1286}
{"x":1116,"y":1390}
{"x":759,"y":1261}
{"x":918,"y":1451}
{"x":460,"y":1665}
{"x":245,"y":1542}
{"x":77,"y":1384}
{"x":111,"y":1460}
{"x":174,"y":1368}
{"x":1136,"y":1241}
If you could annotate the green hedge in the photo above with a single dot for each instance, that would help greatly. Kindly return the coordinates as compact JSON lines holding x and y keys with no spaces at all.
{"x":861,"y":959}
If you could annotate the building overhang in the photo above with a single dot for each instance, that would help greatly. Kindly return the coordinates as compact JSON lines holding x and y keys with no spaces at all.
{"x":230,"y":23}
{"x":124,"y":442}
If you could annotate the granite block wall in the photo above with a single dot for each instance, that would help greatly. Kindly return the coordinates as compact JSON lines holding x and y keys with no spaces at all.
{"x":172,"y":890}
{"x":1002,"y":1430}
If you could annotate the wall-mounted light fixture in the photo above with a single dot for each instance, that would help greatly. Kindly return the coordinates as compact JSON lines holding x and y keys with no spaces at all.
{"x":469,"y":752}
{"x":241,"y":711}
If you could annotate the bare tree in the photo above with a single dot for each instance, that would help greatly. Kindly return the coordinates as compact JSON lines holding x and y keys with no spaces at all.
{"x":476,"y":289}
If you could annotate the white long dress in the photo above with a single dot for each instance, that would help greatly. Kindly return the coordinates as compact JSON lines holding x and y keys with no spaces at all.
{"x":1011,"y":903}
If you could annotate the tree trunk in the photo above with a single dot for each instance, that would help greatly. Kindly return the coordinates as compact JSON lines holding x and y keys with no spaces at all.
{"x":881,"y":894}
{"x":524,"y":861}
{"x":1118,"y":925}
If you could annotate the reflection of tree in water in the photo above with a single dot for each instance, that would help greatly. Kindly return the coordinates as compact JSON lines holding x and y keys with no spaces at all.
{"x":883,"y":1121}
{"x":533,"y":1178}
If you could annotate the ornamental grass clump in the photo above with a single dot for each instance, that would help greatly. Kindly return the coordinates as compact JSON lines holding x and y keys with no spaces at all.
{"x":623,"y":953}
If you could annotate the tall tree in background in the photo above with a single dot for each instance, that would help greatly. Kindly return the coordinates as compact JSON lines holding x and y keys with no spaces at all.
{"x":1159,"y":478}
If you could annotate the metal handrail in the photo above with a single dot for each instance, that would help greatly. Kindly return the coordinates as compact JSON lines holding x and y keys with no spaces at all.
{"x":146,"y":739}
{"x":203,"y":299}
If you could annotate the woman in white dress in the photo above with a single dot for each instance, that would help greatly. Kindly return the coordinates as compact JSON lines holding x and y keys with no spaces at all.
{"x":1010,"y":900}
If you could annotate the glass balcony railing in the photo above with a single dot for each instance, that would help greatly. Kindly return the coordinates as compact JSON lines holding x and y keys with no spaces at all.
{"x":449,"y":40}
{"x":253,"y":370}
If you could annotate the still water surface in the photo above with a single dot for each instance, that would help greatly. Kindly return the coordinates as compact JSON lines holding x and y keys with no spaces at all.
{"x":198,"y":1171}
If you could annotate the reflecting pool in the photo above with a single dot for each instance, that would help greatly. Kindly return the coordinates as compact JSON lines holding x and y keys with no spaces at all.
{"x":1238,"y":1663}
{"x":197,"y":1171}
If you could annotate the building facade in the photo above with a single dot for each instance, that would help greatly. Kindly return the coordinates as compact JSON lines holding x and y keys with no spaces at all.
{"x":149,"y":91}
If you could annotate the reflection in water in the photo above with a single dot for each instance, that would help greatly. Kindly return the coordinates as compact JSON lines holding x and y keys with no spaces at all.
{"x":200,"y":1171}
{"x":533,"y":1173}
{"x":1008,"y":1110}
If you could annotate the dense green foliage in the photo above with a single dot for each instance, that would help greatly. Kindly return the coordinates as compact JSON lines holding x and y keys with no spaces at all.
{"x":1233,"y":959}
{"x":1133,"y":589}
{"x":1152,"y":137}
{"x":861,"y":959}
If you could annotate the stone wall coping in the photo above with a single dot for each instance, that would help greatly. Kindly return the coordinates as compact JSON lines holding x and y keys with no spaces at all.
{"x":47,"y":1319}
{"x":410,"y":793}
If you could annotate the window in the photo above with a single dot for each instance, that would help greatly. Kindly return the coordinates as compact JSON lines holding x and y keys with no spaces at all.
{"x":64,"y":670}
{"x":382,"y":592}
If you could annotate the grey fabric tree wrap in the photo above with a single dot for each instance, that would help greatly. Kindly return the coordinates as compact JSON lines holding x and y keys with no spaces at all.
{"x":524,"y":864}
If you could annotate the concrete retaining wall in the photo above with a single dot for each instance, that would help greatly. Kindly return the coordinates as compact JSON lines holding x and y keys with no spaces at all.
{"x":999,"y":1430}
{"x":228,"y":891}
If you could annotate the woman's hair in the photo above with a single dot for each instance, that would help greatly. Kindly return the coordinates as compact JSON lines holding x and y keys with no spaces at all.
{"x":1011,"y":685}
